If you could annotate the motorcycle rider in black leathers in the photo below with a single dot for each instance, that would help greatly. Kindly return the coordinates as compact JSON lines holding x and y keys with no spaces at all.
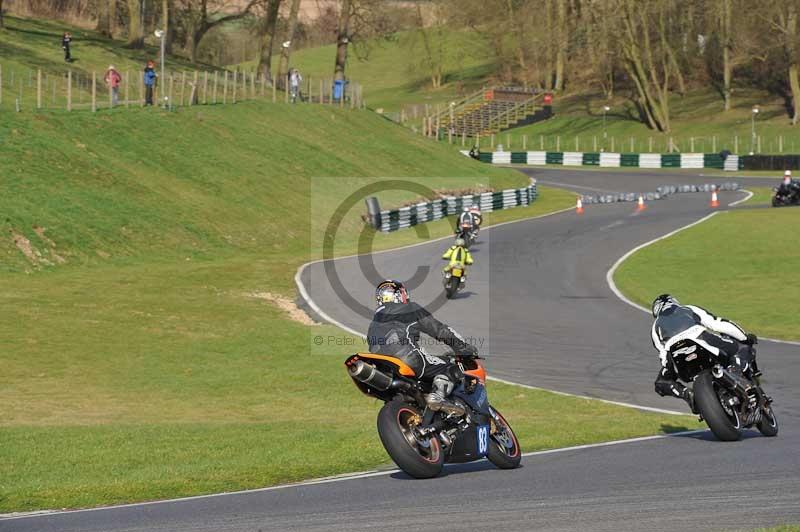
{"x":395,"y":331}
{"x":675,"y":322}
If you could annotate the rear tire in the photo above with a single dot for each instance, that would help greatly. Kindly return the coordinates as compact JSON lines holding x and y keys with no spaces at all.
{"x":504,"y":450}
{"x":418,"y":459}
{"x":451,"y":287}
{"x":725,"y":426}
{"x":768,"y":426}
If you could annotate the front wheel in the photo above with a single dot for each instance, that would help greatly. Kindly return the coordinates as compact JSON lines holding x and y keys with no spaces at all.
{"x":504,"y":451}
{"x":768,"y":426}
{"x":420,"y":458}
{"x":722,"y":418}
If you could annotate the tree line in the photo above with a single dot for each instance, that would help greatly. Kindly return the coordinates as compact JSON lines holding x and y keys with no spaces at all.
{"x":652,"y":49}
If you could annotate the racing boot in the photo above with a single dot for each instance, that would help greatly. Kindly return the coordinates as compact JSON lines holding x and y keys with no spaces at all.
{"x":688,"y":396}
{"x":437,"y":399}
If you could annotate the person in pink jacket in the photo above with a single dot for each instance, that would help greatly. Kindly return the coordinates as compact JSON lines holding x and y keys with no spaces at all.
{"x":113,"y":79}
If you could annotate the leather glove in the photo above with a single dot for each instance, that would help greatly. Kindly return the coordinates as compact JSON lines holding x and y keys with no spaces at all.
{"x":752,"y":339}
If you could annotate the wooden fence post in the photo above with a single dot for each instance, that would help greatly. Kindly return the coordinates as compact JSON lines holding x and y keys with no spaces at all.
{"x":205,"y":87}
{"x":171,"y":90}
{"x":321,"y":90}
{"x":558,"y":143}
{"x":69,"y":90}
{"x":525,"y":142}
{"x":214,"y":92}
{"x":225,"y":87}
{"x":650,"y":144}
{"x":235,"y":81}
{"x":492,"y":143}
{"x":127,"y":77}
{"x":541,"y":142}
{"x":736,"y":144}
{"x":39,"y":88}
{"x":94,"y":92}
{"x":183,"y":88}
{"x":263,"y":85}
{"x":274,"y":91}
{"x":1,"y":84}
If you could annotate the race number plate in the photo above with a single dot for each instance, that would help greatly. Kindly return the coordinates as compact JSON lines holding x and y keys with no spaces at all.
{"x":456,"y":272}
{"x":483,"y":439}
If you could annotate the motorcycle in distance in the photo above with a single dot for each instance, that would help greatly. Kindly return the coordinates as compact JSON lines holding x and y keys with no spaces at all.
{"x":727,"y":400}
{"x":786,"y":194}
{"x":454,"y":279}
{"x":419,"y":440}
{"x":466,"y":232}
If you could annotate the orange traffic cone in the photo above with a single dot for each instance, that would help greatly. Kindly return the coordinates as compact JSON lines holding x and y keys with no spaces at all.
{"x":579,"y":207}
{"x":640,"y":204}
{"x":714,"y":199}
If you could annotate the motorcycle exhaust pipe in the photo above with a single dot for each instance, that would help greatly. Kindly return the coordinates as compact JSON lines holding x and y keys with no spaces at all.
{"x":370,"y":375}
{"x":731,"y":380}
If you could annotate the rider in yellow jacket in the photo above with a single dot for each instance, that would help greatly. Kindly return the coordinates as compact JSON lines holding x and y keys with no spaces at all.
{"x":459,"y":256}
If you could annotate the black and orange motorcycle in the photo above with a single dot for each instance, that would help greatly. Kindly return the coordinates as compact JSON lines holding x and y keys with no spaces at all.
{"x":419,"y":440}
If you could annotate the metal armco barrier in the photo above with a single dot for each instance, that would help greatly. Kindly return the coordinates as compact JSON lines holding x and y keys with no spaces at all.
{"x":640,"y":160}
{"x":392,"y":220}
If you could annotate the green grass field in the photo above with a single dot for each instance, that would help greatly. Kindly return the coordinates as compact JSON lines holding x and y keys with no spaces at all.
{"x":754,"y":267}
{"x":148,"y":346}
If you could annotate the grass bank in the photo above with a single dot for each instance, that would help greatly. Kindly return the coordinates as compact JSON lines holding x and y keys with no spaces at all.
{"x":750,"y":252}
{"x":146,"y":269}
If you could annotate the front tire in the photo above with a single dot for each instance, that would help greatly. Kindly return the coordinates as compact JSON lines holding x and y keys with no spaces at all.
{"x":768,"y":426}
{"x":420,"y":459}
{"x":504,"y":450}
{"x":723,"y":422}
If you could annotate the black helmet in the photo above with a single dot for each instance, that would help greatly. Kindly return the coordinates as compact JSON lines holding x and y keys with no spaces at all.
{"x":662,"y":302}
{"x":390,"y":291}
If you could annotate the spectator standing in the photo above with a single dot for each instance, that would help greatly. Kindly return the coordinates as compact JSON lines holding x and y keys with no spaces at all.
{"x":113,"y":79}
{"x":150,"y":76}
{"x":295,"y":79}
{"x":65,"y":40}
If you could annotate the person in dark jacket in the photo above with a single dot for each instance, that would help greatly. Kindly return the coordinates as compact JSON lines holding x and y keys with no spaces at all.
{"x":395,"y":330}
{"x":65,"y":40}
{"x":150,"y":76}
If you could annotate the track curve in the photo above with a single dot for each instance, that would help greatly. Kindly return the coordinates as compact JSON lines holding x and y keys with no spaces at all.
{"x":538,"y":298}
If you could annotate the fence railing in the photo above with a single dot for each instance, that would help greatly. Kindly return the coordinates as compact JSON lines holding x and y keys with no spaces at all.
{"x":24,"y":90}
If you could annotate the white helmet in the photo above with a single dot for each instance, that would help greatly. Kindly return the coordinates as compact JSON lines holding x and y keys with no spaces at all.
{"x":460,"y":242}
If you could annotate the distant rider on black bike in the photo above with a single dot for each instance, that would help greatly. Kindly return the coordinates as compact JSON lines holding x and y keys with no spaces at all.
{"x":675,"y":322}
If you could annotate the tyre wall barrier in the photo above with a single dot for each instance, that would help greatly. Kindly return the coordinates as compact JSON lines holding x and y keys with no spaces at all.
{"x":394,"y":219}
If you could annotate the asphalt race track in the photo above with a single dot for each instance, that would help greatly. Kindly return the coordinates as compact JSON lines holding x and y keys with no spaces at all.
{"x":537,"y":298}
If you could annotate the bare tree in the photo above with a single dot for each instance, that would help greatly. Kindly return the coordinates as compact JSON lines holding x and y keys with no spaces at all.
{"x":291,"y":28}
{"x":103,"y":18}
{"x":646,"y":41}
{"x":201,"y":16}
{"x":135,"y":24}
{"x":267,"y":29}
{"x":342,"y":39}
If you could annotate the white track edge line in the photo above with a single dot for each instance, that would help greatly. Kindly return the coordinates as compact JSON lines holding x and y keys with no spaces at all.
{"x":338,"y":478}
{"x":747,"y":197}
{"x":577,"y":396}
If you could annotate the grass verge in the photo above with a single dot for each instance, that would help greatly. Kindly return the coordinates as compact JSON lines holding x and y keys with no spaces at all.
{"x":744,"y":252}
